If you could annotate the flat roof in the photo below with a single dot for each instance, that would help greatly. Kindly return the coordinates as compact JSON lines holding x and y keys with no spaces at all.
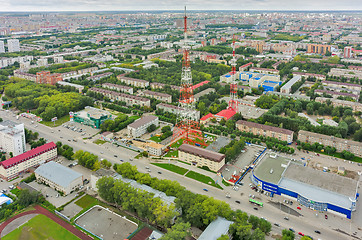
{"x":57,"y":173}
{"x":226,"y":113}
{"x":219,"y":143}
{"x":213,"y":156}
{"x":27,"y":155}
{"x":215,"y":229}
{"x":291,"y":82}
{"x":142,"y":121}
{"x":264,"y":168}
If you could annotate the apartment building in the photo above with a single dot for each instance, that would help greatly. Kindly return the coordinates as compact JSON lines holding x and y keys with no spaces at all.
{"x":155,"y":149}
{"x":45,"y":77}
{"x":12,"y":167}
{"x":76,"y":86}
{"x":203,"y":93}
{"x":100,"y":76}
{"x":339,"y":143}
{"x":201,"y":157}
{"x":119,"y":88}
{"x":157,"y":85}
{"x":312,"y":75}
{"x":348,"y":73}
{"x":265,"y":130}
{"x":13,"y":45}
{"x":264,"y":70}
{"x":139,"y":127}
{"x":342,"y":85}
{"x":59,"y":177}
{"x":133,"y":81}
{"x":25,"y":75}
{"x":336,"y":94}
{"x":287,"y":88}
{"x":2,"y":47}
{"x":356,"y":106}
{"x":157,"y":95}
{"x":318,"y":48}
{"x":12,"y":137}
{"x":128,"y":99}
{"x":174,"y":109}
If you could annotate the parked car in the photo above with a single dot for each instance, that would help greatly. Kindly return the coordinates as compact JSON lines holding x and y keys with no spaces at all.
{"x":255,"y":208}
{"x":159,"y":172}
{"x":299,"y":208}
{"x":286,"y":218}
{"x":276,"y":224}
{"x":301,"y":234}
{"x":205,"y":190}
{"x":326,"y":216}
{"x":316,"y":231}
{"x":291,"y":229}
{"x":237,"y":201}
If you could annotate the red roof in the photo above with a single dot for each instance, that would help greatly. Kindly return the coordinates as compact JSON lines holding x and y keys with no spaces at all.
{"x":27,"y":155}
{"x":226,"y":113}
{"x":206,"y":117}
{"x":143,"y":234}
{"x":355,"y":50}
{"x":199,"y":84}
{"x":246,"y":65}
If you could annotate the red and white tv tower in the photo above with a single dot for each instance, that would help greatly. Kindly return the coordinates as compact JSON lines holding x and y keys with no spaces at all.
{"x":187,"y":126}
{"x":233,"y":103}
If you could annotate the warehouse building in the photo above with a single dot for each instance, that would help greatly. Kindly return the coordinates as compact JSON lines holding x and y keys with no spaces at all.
{"x":139,"y":127}
{"x":201,"y":157}
{"x":315,"y":189}
{"x":12,"y":167}
{"x":91,"y":116}
{"x":59,"y":177}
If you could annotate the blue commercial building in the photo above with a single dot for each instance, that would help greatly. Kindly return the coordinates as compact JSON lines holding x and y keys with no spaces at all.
{"x":314,"y":189}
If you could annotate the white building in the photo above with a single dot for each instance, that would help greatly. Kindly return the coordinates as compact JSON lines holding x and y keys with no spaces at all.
{"x":155,"y":148}
{"x":139,"y":127}
{"x":2,"y":47}
{"x":42,"y":62}
{"x":13,"y":45}
{"x":59,"y":177}
{"x":12,"y":137}
{"x":12,"y":167}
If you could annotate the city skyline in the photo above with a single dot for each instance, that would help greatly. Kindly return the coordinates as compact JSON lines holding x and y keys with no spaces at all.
{"x":144,"y":5}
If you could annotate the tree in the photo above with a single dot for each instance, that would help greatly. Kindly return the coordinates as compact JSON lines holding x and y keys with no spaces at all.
{"x":165,"y":129}
{"x":258,"y":235}
{"x":151,"y":128}
{"x":287,"y":235}
{"x":180,"y":231}
{"x":223,"y":237}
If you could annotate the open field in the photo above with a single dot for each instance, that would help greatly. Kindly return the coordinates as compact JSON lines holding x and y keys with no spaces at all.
{"x":40,"y":227}
{"x":172,"y":168}
{"x":58,"y":122}
{"x":86,"y":201}
{"x":202,"y":178}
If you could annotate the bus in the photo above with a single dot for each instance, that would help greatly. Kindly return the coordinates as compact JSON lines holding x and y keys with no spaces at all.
{"x":260,"y":204}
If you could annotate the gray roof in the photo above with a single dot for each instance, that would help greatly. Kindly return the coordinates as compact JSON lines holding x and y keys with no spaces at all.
{"x":215,"y":229}
{"x":57,"y":173}
{"x":291,"y":82}
{"x":218,"y":144}
{"x":142,"y":121}
{"x":201,"y":152}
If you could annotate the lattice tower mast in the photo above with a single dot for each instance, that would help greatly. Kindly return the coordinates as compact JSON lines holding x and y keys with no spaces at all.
{"x":233,"y":103}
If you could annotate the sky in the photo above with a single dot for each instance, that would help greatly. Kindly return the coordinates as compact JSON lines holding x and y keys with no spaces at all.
{"x":144,"y":5}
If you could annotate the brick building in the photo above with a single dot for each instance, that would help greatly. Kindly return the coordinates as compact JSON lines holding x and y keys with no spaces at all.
{"x":45,"y":77}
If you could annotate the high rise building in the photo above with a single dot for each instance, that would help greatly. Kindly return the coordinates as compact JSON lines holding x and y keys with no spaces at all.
{"x":12,"y":137}
{"x":2,"y":47}
{"x":348,"y":51}
{"x":13,"y":45}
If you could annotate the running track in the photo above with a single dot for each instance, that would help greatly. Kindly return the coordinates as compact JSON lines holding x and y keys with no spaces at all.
{"x":41,"y":210}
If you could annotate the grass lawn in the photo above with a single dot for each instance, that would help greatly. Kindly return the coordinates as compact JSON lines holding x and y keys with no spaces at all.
{"x":15,"y":191}
{"x":172,"y":154}
{"x":58,"y":122}
{"x":178,"y":143}
{"x":40,"y":227}
{"x":86,"y":201}
{"x":156,"y":139}
{"x":202,"y":178}
{"x":172,"y":168}
{"x":339,"y":155}
{"x":99,"y":142}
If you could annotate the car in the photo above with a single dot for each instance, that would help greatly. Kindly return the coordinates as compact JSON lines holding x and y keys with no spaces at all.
{"x":61,"y":137}
{"x":299,"y":208}
{"x":316,"y":231}
{"x":57,"y":195}
{"x":68,"y":140}
{"x":256,"y":208}
{"x":101,"y":152}
{"x":286,"y":218}
{"x":11,"y":186}
{"x":276,"y":224}
{"x":326,"y":216}
{"x":291,"y":229}
{"x":301,"y":234}
{"x":237,"y":201}
{"x":70,"y":165}
{"x":264,"y":218}
{"x":147,"y":167}
{"x":115,"y":155}
{"x":159,"y":172}
{"x":205,"y":189}
{"x":4,"y":191}
{"x":121,"y":160}
{"x":148,"y":170}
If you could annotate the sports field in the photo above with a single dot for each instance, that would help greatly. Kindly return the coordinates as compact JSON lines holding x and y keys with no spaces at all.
{"x":40,"y":227}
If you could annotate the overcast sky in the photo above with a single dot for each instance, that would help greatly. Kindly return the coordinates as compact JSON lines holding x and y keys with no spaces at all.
{"x":123,"y":5}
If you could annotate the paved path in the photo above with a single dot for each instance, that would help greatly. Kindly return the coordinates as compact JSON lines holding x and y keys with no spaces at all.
{"x":41,"y":210}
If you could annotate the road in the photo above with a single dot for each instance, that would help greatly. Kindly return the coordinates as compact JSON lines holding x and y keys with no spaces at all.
{"x":305,"y":224}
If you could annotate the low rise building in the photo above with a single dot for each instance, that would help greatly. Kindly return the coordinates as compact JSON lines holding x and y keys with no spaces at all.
{"x":264,"y":70}
{"x":348,"y":73}
{"x":100,"y":76}
{"x":202,"y":93}
{"x":356,"y":106}
{"x":119,"y":88}
{"x":25,"y":75}
{"x":157,"y":95}
{"x":127,"y":98}
{"x":336,"y":94}
{"x":195,"y":115}
{"x":312,"y":75}
{"x":287,"y":88}
{"x":201,"y":157}
{"x":155,"y":149}
{"x":12,"y":167}
{"x":133,"y":81}
{"x":77,"y":86}
{"x":217,"y":228}
{"x":339,"y":143}
{"x":91,"y":116}
{"x":59,"y":177}
{"x":265,"y":130}
{"x":45,"y":77}
{"x":12,"y":137}
{"x":139,"y":127}
{"x":157,"y":85}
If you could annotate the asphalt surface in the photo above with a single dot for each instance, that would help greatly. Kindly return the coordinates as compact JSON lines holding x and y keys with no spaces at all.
{"x":305,"y":224}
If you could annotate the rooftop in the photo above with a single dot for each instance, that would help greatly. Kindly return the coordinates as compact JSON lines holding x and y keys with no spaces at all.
{"x":291,"y":82}
{"x":29,"y":154}
{"x":219,"y":143}
{"x":213,"y":156}
{"x":215,"y":229}
{"x":264,"y":127}
{"x":271,"y":169}
{"x":226,"y":113}
{"x":93,"y":113}
{"x":142,"y":121}
{"x":57,"y":173}
{"x":115,"y":85}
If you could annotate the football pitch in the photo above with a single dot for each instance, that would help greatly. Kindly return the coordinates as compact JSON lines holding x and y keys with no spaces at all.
{"x":40,"y":227}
